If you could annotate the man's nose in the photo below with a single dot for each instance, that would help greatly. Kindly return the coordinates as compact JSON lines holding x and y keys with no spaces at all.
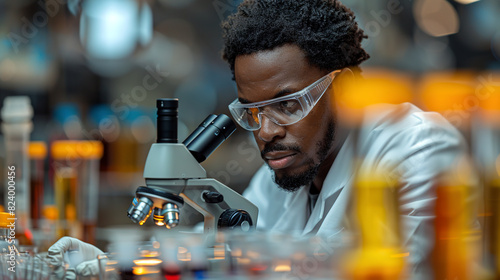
{"x":269,"y":130}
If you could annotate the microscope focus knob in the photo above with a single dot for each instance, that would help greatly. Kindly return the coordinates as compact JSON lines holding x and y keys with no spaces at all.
{"x":235,"y":218}
{"x":212,"y":197}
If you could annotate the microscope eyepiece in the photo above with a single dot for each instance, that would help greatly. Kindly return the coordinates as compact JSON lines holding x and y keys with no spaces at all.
{"x":208,"y":120}
{"x":167,"y":120}
{"x":206,"y":141}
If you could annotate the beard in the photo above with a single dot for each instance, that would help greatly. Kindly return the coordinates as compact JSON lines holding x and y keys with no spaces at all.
{"x":293,"y":182}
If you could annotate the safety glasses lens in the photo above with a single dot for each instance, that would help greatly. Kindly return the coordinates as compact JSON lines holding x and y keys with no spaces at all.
{"x":284,"y":112}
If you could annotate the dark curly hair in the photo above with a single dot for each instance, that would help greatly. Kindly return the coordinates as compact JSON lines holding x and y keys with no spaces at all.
{"x":325,"y":30}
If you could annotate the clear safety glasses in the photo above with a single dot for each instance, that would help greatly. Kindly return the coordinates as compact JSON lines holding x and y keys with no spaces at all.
{"x":285,"y":110}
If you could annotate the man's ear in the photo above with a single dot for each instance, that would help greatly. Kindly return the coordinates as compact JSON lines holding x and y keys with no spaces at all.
{"x":345,"y":78}
{"x":342,"y":85}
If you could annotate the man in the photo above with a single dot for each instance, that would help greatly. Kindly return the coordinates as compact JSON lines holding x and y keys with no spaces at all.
{"x":283,"y":52}
{"x":289,"y":59}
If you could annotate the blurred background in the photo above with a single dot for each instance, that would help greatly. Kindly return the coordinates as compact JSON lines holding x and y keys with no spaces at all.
{"x":93,"y":70}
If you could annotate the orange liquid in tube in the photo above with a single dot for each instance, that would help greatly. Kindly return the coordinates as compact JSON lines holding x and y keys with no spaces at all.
{"x":37,"y":153}
{"x":453,"y":255}
{"x":493,"y":226}
{"x":450,"y":251}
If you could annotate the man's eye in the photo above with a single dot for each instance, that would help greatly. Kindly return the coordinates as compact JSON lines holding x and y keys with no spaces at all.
{"x":288,"y":105}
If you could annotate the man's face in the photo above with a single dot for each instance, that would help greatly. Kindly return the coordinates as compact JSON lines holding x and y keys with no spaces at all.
{"x":297,"y":152}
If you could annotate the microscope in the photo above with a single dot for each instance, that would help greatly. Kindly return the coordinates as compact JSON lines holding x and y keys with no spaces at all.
{"x":174,"y":176}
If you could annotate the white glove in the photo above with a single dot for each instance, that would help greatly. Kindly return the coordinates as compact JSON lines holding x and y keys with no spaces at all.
{"x":81,"y":257}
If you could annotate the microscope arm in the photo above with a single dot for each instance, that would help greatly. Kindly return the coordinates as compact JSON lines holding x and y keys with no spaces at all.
{"x":213,"y":212}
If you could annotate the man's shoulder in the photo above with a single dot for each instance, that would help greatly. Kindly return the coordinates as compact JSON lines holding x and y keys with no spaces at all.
{"x":402,"y":129}
{"x":401,"y":116}
{"x":388,"y":120}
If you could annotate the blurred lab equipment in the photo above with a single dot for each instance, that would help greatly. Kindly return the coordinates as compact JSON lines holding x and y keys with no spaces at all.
{"x":173,"y":175}
{"x":105,"y":127}
{"x":112,"y":32}
{"x":68,"y":122}
{"x":7,"y":242}
{"x":131,"y":260}
{"x":37,"y":152}
{"x":76,"y":183}
{"x":65,"y":182}
{"x":486,"y":147}
{"x":29,"y":265}
{"x":16,"y":127}
{"x":88,"y":185}
{"x":493,"y":227}
{"x":235,"y":255}
{"x":128,"y":162}
{"x":455,"y":248}
{"x":452,"y":95}
{"x":112,"y":29}
{"x":19,"y":261}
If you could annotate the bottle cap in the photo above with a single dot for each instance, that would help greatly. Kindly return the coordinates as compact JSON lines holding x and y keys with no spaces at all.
{"x":37,"y":150}
{"x":64,"y":149}
{"x":443,"y":91}
{"x":70,"y":149}
{"x":50,"y":212}
{"x":5,"y":219}
{"x":16,"y":109}
{"x":90,"y":149}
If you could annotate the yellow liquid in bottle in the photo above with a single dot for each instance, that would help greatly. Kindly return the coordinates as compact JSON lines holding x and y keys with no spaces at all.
{"x":65,"y":184}
{"x":379,"y":254}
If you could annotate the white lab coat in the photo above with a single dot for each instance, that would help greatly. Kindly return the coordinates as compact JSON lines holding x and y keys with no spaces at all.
{"x":420,"y":144}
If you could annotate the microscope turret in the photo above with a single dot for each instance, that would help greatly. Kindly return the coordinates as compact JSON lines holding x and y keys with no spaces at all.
{"x":174,"y":175}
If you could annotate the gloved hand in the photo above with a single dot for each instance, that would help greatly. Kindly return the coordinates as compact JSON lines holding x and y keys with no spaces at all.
{"x":81,"y":257}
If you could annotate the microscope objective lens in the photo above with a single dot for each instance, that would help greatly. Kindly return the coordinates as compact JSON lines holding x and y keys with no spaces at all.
{"x":140,"y":210}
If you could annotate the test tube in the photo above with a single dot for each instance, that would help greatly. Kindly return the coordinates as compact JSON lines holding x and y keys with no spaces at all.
{"x":37,"y":152}
{"x":453,"y":253}
{"x":66,"y":161}
{"x":486,"y":144}
{"x":16,"y":127}
{"x":493,"y":245}
{"x":88,"y":186}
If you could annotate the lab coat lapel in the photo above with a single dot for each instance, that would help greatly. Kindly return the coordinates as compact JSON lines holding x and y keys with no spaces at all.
{"x":294,"y":218}
{"x":333,"y":199}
